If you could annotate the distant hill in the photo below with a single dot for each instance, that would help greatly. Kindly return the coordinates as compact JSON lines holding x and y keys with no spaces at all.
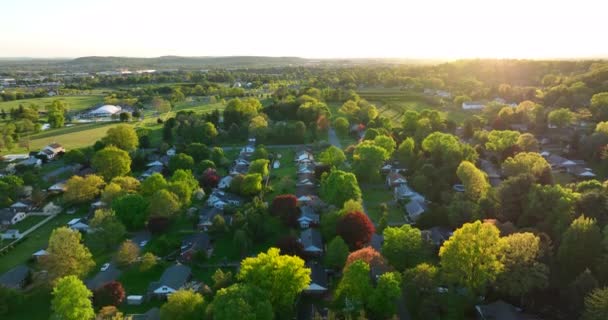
{"x":99,"y":63}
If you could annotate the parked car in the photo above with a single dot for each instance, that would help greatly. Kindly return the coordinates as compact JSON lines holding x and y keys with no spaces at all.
{"x":105,"y":266}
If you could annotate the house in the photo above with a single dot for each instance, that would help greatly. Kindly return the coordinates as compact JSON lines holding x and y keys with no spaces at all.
{"x":78,"y":224}
{"x":16,"y":278}
{"x":247,"y":150}
{"x":558,"y":162}
{"x":98,"y":205}
{"x":154,"y":164}
{"x":306,"y":168}
{"x":308,"y":217}
{"x":581,"y":172}
{"x":306,"y":191}
{"x":52,"y":150}
{"x":318,"y":279}
{"x":500,"y":310}
{"x":206,"y":216}
{"x":22,"y":206}
{"x":173,"y":279}
{"x":394,"y":179}
{"x":239,"y":169}
{"x":304,"y":182}
{"x":220,"y":199}
{"x":150,"y":171}
{"x":304,"y":156}
{"x":194,"y":243}
{"x":403,"y":191}
{"x":225,"y":182}
{"x":39,"y":254}
{"x":415,"y":208}
{"x":11,"y":217}
{"x":58,"y":187}
{"x":10,"y":234}
{"x":436,"y":235}
{"x":311,"y":241}
{"x":472,"y":105}
{"x":490,"y":169}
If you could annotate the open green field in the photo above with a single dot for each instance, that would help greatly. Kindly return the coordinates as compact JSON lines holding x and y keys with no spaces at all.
{"x":75,"y":103}
{"x":77,"y":136}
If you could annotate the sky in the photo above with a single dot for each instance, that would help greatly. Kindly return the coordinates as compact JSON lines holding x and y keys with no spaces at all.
{"x":432,"y":29}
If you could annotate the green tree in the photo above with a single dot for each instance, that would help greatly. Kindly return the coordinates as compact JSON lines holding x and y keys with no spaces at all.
{"x":67,"y":255}
{"x":164,"y":203}
{"x":502,"y":140}
{"x":183,"y":305}
{"x":596,"y":305}
{"x":578,"y":249}
{"x":337,"y":252}
{"x":341,"y":126}
{"x":339,"y":186}
{"x":82,"y":189}
{"x":403,"y":246}
{"x":332,"y":156}
{"x":127,"y":253}
{"x":561,"y":118}
{"x":242,"y":301}
{"x":423,"y":277}
{"x":72,"y":300}
{"x":527,"y":143}
{"x":386,"y":142}
{"x":354,"y":289}
{"x":368,"y":158}
{"x":471,"y":257}
{"x":445,"y":152}
{"x":549,"y":208}
{"x":56,"y":117}
{"x":406,"y":153}
{"x":599,"y":106}
{"x":111,"y":162}
{"x":252,"y":184}
{"x":108,"y":229}
{"x":181,"y":161}
{"x":148,"y":261}
{"x":283,"y":277}
{"x":152,"y":184}
{"x":122,"y":136}
{"x":528,"y":163}
{"x":259,"y":166}
{"x":383,"y":300}
{"x":260,"y":153}
{"x":475,"y":181}
{"x":132,"y":210}
{"x":523,"y":272}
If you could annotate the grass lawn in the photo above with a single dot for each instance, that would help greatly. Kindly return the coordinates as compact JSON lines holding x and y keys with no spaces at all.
{"x":374,"y":196}
{"x":75,"y":103}
{"x":77,"y":136}
{"x":136,"y":281}
{"x":28,"y":223}
{"x":287,"y":168}
{"x":36,"y":305}
{"x":33,"y":242}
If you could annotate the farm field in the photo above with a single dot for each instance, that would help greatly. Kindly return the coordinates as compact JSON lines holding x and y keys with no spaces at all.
{"x":75,"y":103}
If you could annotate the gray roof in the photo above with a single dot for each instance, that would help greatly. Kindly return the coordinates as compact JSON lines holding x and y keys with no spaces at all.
{"x":376,"y":242}
{"x":499,"y":310}
{"x":152,"y":314}
{"x":174,"y":277}
{"x":415,"y":208}
{"x":318,"y":276}
{"x":311,"y":238}
{"x":103,"y":277}
{"x":437,"y":235}
{"x":197,"y":241}
{"x":7,"y":214}
{"x":15,"y":277}
{"x":308,"y":212}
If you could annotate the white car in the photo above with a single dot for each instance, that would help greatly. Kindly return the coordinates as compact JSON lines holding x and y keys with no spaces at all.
{"x":143,"y":243}
{"x":105,"y":266}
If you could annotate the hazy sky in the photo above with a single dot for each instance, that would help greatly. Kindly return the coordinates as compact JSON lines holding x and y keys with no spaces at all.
{"x":310,"y":28}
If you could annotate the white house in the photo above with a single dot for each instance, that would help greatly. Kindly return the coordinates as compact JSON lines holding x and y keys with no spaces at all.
{"x":52,"y":150}
{"x":173,"y":279}
{"x":472,"y":105}
{"x":10,"y":217}
{"x":308,"y":217}
{"x":225,"y":182}
{"x":311,"y":241}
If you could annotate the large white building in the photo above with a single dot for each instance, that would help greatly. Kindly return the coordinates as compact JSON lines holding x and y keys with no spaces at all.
{"x":472,"y":105}
{"x":104,"y":111}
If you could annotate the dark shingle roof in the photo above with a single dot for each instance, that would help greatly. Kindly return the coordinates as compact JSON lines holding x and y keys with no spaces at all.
{"x":15,"y":277}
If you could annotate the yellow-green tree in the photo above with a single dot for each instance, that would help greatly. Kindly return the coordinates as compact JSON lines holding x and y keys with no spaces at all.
{"x":183,"y":305}
{"x":284,"y":277}
{"x":122,"y":136}
{"x":475,"y":181}
{"x":67,"y":255}
{"x":111,"y":162}
{"x":72,"y":300}
{"x":471,"y":257}
{"x":82,"y":189}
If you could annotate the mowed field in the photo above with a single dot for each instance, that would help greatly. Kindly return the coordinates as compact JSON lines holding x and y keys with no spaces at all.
{"x":77,"y":136}
{"x":75,"y":103}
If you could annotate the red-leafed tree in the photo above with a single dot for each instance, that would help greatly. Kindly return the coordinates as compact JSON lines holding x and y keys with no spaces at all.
{"x":290,"y":245}
{"x":367,"y":254}
{"x":356,"y":229}
{"x":210,"y":178}
{"x":285,"y":206}
{"x":110,"y":294}
{"x":158,"y":225}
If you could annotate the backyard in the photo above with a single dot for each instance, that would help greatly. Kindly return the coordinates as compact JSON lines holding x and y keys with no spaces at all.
{"x":374,"y":196}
